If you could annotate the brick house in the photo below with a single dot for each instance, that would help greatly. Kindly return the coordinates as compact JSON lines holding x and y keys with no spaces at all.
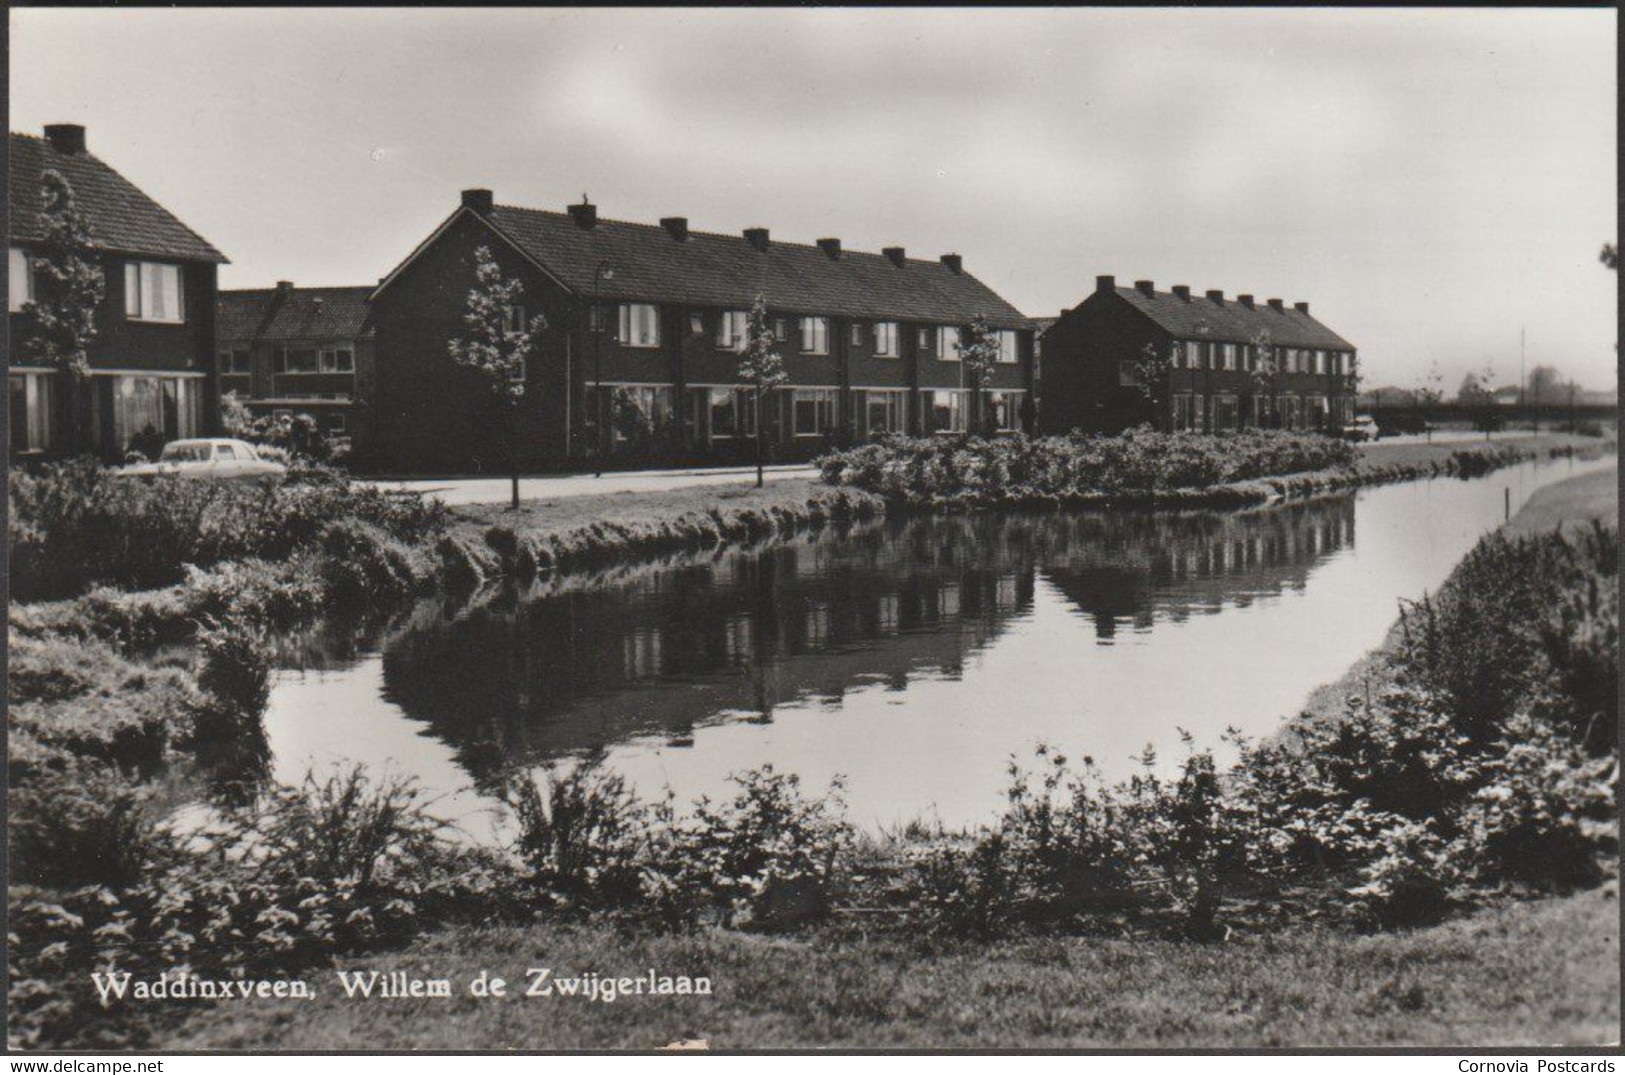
{"x":296,"y":350}
{"x":1231,"y":363}
{"x":151,"y":360}
{"x":637,"y":330}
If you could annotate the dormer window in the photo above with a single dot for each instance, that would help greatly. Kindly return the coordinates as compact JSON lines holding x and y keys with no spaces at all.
{"x":152,"y":292}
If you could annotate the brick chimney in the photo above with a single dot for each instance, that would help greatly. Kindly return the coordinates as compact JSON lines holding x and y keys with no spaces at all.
{"x":479,"y":199}
{"x":1146,"y":288}
{"x":1275,"y":304}
{"x":585,"y":215}
{"x":1107,"y":284}
{"x":895,"y":253}
{"x":1301,"y":307}
{"x":676,"y":226}
{"x":955,"y":263}
{"x":1245,"y":300}
{"x":757,"y":237}
{"x":831,"y":248}
{"x":66,"y":138}
{"x":1216,"y":296}
{"x":1183,"y":291}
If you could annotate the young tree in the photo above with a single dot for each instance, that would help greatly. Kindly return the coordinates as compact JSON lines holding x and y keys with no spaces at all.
{"x":1151,"y":375}
{"x":1265,"y":373}
{"x":1430,"y":392}
{"x":60,"y":323}
{"x":761,"y":367}
{"x":979,"y":352}
{"x":496,"y":349}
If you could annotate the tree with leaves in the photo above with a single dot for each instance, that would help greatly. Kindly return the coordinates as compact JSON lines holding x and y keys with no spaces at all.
{"x":60,"y":323}
{"x":1151,"y":375}
{"x":978,"y":352}
{"x":495,"y":348}
{"x":762,"y":368}
{"x":1265,"y":375}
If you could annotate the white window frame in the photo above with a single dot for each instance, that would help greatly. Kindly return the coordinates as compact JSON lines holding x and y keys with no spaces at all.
{"x":814,"y":336}
{"x":513,"y":320}
{"x":733,"y":329}
{"x":895,"y":403}
{"x":327,"y":358}
{"x":820,"y":398}
{"x":855,"y":333}
{"x":886,"y":339}
{"x":639,"y":325}
{"x":948,"y":345}
{"x":1011,"y":400}
{"x":281,"y":367}
{"x":1009,"y":347}
{"x":228,"y":354}
{"x":19,"y":279}
{"x":140,"y":278}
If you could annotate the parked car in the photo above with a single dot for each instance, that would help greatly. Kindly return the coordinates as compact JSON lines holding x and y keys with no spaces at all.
{"x":216,"y":458}
{"x":1362,"y":428}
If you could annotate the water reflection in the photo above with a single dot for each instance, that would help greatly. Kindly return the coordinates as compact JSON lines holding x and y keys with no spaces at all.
{"x":516,"y":680}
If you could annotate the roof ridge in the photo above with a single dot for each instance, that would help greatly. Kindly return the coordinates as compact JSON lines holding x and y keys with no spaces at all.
{"x":735,"y":236}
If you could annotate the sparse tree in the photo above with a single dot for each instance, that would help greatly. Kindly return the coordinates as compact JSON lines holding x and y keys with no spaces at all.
{"x":1151,"y":374}
{"x":761,"y":367}
{"x":1265,"y":373}
{"x":495,"y":345}
{"x":60,"y":323}
{"x":979,"y":355}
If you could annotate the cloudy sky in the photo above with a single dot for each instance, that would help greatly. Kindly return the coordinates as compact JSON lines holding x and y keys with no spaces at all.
{"x":1432,"y":182}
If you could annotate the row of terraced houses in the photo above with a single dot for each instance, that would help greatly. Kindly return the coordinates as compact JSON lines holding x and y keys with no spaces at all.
{"x":637,"y":332}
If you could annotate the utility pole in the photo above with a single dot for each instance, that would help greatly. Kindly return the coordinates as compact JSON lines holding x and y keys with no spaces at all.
{"x":1523,"y":379}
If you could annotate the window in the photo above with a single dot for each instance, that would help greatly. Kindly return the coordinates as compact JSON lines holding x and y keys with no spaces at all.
{"x":234,"y":360}
{"x":595,"y":319}
{"x":152,"y":292}
{"x":1195,"y":353}
{"x":724,"y":413}
{"x":513,"y":320}
{"x":925,"y":338}
{"x":640,"y":325}
{"x":885,"y":339}
{"x":19,"y":279}
{"x":944,"y":411}
{"x":948,"y":343}
{"x":1184,"y":412}
{"x":815,"y":335}
{"x":781,"y":329}
{"x":696,"y":323}
{"x":1127,"y":374}
{"x":297,"y":360}
{"x":857,"y":334}
{"x":1226,"y":413}
{"x":639,"y":412}
{"x":170,"y":406}
{"x":733,"y":329}
{"x":340,"y":359}
{"x":33,"y":405}
{"x":813,"y":409}
{"x":1227,"y":356}
{"x":224,"y":451}
{"x":1006,"y":410}
{"x":1008,"y":347}
{"x":883,"y":411}
{"x":1318,"y":412}
{"x":517,"y":373}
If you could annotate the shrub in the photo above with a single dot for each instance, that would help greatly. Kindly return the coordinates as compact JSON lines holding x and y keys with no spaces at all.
{"x":1015,"y":470}
{"x":1408,"y":882}
{"x":963,"y":892}
{"x":581,"y":836}
{"x":82,"y":824}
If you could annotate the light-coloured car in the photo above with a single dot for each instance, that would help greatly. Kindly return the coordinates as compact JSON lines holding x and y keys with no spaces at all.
{"x":217,"y":458}
{"x":1362,"y":428}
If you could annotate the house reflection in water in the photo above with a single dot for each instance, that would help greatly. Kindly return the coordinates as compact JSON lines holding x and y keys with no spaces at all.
{"x":518,"y":681}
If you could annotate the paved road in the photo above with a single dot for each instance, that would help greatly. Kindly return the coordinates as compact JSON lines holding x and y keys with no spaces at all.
{"x":496,"y":490}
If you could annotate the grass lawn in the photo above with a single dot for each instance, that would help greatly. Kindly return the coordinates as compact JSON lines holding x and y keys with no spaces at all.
{"x":1541,"y":973}
{"x":574,"y":512}
{"x":1384,"y":455}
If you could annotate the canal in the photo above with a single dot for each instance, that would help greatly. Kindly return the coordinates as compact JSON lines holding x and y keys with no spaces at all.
{"x":912,"y":657}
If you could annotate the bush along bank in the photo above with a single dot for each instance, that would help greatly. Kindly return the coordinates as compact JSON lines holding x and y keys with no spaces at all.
{"x":1140,"y":466}
{"x":1485,"y":771}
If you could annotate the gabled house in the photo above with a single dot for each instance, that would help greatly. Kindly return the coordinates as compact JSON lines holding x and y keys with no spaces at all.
{"x":296,"y":350}
{"x":151,"y":362}
{"x":638,"y":329}
{"x":1226,"y":363}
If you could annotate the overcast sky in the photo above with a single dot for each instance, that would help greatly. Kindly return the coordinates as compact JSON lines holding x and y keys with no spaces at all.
{"x":1431,"y":182}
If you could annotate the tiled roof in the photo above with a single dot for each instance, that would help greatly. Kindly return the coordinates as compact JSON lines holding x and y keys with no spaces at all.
{"x":302,"y":313}
{"x":124,"y":219}
{"x":1042,"y":324}
{"x":1201,"y":318}
{"x":708,"y":269}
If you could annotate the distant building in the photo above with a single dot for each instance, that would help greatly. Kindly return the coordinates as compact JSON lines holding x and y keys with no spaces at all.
{"x":152,"y":376}
{"x":638,"y":329}
{"x":1229,"y":363}
{"x":305,"y":350}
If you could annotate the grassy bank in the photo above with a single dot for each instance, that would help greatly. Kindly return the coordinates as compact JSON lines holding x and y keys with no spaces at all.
{"x":1543,"y":973}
